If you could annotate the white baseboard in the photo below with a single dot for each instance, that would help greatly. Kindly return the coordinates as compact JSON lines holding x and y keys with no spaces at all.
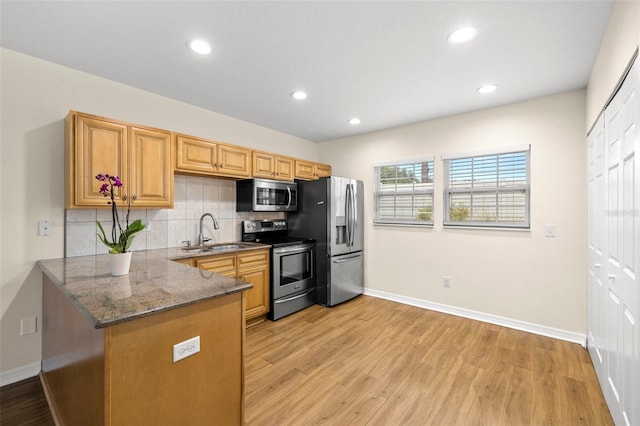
{"x":20,"y":373}
{"x":542,"y":330}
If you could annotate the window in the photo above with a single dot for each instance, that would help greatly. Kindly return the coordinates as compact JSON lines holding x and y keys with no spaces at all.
{"x":488,"y":190}
{"x":404,"y":193}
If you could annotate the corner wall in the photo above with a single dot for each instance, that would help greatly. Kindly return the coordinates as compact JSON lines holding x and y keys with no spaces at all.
{"x":621,"y":39}
{"x":519,"y":276}
{"x":36,"y":96}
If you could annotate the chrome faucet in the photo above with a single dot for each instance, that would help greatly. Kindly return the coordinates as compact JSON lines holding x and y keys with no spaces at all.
{"x":201,"y":238}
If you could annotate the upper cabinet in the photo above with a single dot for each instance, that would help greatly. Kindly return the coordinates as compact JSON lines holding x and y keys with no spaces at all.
{"x":272,"y":166}
{"x":140,"y":156}
{"x":205,"y":157}
{"x":308,"y":170}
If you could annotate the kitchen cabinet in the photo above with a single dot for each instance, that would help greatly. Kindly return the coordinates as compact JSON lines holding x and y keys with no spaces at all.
{"x":271,"y":166}
{"x":140,"y":156}
{"x":249,"y":266}
{"x":308,"y":170}
{"x":108,"y":356}
{"x":206,"y":157}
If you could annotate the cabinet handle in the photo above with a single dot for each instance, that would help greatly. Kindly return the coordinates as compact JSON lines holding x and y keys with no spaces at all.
{"x":124,"y":197}
{"x":611,"y":276}
{"x":135,"y":197}
{"x":597,"y":265}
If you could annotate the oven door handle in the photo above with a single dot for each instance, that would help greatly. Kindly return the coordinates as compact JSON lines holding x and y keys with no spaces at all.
{"x":289,"y":299}
{"x":292,"y":249}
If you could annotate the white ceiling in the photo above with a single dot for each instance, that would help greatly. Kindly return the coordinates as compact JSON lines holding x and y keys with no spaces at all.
{"x":386,"y":62}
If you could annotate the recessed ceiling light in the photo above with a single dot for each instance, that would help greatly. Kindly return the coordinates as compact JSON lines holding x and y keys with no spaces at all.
{"x":200,"y":46}
{"x":462,"y":35}
{"x":354,"y":121}
{"x":299,"y":95}
{"x":487,"y":88}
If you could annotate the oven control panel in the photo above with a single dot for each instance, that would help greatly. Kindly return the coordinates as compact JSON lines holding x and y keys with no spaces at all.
{"x":257,"y":226}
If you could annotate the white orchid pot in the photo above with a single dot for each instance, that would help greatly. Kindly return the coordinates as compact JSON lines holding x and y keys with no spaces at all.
{"x":119,"y":263}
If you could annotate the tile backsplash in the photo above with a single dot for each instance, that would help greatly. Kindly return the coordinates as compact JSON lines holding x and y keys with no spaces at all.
{"x":193,"y":196}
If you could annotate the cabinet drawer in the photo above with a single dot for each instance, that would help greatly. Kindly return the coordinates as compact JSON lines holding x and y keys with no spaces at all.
{"x":217,"y":263}
{"x":253,"y":258}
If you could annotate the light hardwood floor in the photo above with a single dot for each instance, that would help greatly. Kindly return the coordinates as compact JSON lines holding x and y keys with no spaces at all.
{"x":375,"y":362}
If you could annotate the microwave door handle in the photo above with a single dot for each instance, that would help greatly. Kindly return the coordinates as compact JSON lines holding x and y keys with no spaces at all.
{"x":289,"y":197}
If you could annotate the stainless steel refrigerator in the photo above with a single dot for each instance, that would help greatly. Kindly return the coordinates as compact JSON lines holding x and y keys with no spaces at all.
{"x":330,"y":210}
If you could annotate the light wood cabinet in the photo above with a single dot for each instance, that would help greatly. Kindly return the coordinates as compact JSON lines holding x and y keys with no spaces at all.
{"x":271,"y":166}
{"x":140,"y":156}
{"x":206,"y":157}
{"x":308,"y":170}
{"x":249,"y":266}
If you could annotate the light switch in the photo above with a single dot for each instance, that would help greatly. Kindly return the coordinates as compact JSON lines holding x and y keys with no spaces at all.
{"x":549,"y":231}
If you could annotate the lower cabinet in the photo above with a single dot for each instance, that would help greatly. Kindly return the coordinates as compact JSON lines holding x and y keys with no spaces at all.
{"x":249,"y":266}
{"x":124,"y":374}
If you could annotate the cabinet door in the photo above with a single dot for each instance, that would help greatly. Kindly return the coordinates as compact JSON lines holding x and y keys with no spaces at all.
{"x":323,"y":170}
{"x":305,"y":170}
{"x":234,"y":161}
{"x":150,"y":172}
{"x":257,"y":298}
{"x":253,"y":267}
{"x":284,"y":168}
{"x":97,"y":146}
{"x":263,"y":165}
{"x":196,"y":155}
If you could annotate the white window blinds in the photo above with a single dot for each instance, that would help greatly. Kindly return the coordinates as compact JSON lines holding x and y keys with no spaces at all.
{"x":489,"y":190}
{"x":404,"y":193}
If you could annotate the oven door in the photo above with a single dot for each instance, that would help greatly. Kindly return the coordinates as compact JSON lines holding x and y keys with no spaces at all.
{"x":293,"y":270}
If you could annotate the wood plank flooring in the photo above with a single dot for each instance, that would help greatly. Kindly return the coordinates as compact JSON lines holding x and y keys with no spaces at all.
{"x":375,"y":362}
{"x":23,"y":403}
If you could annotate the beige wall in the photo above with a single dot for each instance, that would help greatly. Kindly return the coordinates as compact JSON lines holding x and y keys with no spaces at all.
{"x":36,"y":96}
{"x":519,"y":275}
{"x":620,"y":42}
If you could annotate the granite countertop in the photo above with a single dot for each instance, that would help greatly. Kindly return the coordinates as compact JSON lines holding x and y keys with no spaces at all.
{"x":154,"y":284}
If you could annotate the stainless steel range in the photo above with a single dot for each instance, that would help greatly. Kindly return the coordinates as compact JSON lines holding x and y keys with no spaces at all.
{"x":293,"y":275}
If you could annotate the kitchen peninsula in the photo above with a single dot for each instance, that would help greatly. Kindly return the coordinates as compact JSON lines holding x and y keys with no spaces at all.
{"x":108,"y":342}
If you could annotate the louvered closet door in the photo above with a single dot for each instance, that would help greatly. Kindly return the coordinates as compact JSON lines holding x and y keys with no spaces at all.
{"x":596,"y":272}
{"x":622,"y":253}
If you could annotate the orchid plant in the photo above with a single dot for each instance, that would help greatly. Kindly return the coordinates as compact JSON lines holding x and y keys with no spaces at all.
{"x":120,"y":238}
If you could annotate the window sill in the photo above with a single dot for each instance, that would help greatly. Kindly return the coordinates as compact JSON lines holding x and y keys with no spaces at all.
{"x":404,"y":225}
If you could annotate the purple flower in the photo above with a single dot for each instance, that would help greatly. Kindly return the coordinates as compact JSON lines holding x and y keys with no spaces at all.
{"x":121,"y":237}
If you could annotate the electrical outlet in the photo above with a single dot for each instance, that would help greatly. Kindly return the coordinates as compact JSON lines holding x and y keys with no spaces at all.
{"x":44,"y":228}
{"x":28,"y":326}
{"x":187,"y":348}
{"x":446,"y":282}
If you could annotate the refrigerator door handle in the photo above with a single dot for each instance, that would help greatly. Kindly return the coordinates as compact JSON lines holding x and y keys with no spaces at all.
{"x":354,"y":214}
{"x":349,"y":215}
{"x":347,"y":259}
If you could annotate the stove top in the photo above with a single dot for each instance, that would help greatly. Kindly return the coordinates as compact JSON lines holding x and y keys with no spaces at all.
{"x":273,"y":232}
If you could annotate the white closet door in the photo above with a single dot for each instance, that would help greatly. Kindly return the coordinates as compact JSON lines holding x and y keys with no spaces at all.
{"x":595,"y":239}
{"x":621,"y":309}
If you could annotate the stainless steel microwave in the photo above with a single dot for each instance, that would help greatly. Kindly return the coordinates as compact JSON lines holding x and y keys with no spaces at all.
{"x":263,"y":195}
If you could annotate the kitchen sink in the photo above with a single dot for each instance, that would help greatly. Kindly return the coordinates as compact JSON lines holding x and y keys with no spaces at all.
{"x":217,"y":247}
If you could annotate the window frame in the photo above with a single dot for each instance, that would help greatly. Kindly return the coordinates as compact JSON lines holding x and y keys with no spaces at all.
{"x":377,"y":193}
{"x":526,"y":188}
